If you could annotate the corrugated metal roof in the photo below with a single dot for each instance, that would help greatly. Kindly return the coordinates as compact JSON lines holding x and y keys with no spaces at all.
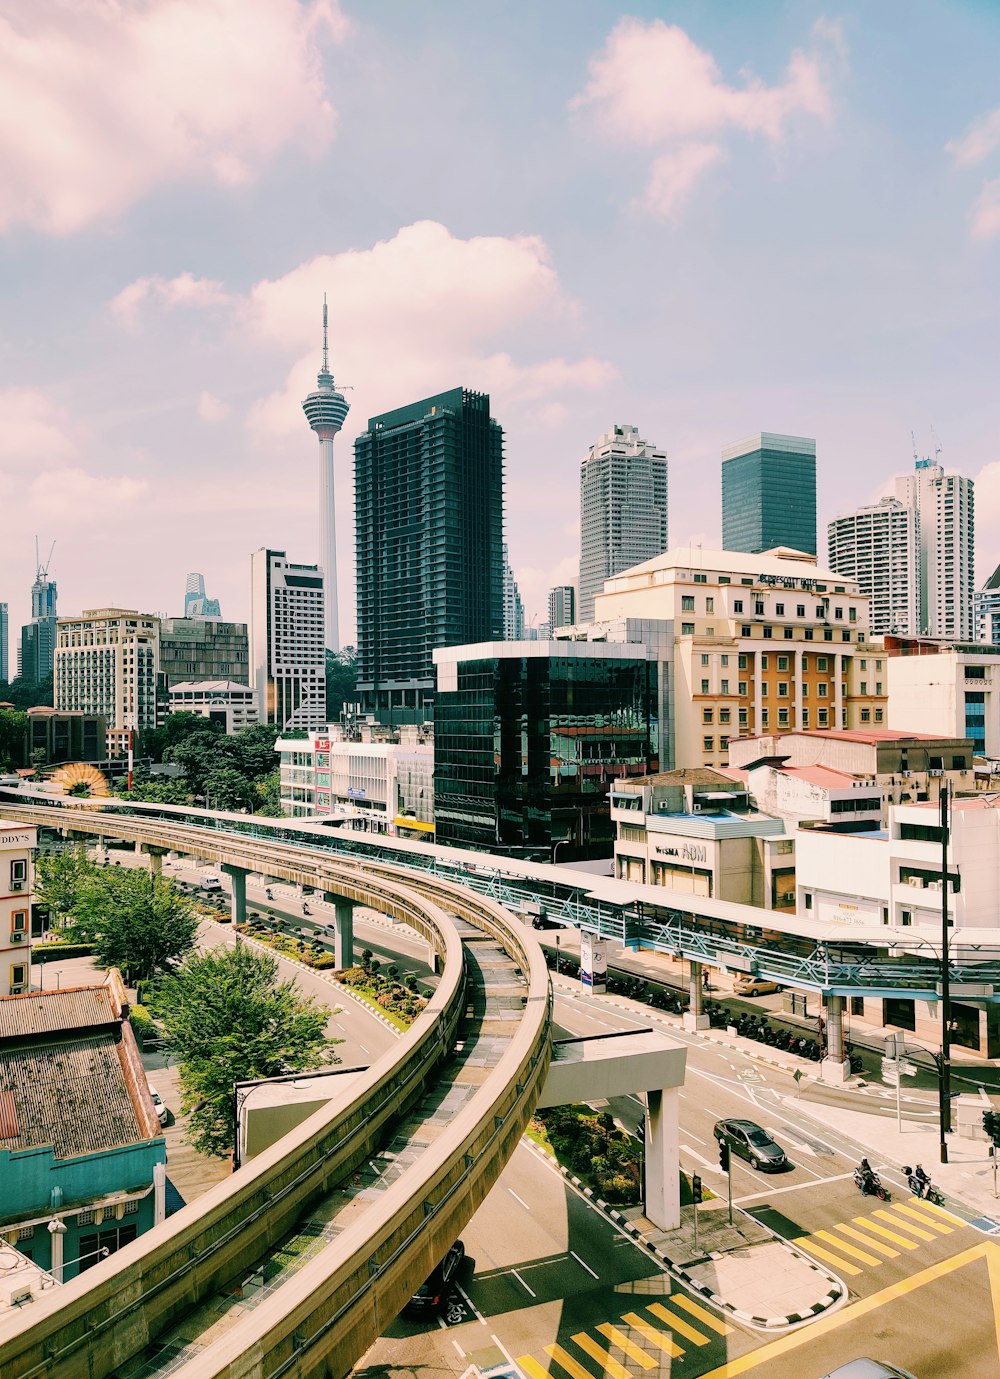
{"x":9,"y":1128}
{"x":52,"y":1012}
{"x":71,"y":1095}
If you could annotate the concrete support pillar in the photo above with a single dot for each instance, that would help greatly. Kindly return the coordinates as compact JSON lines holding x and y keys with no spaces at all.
{"x":344,"y":932}
{"x":159,"y":1193}
{"x":663,"y":1191}
{"x":693,"y":1016}
{"x":238,"y":900}
{"x":57,"y":1234}
{"x":154,"y":858}
{"x":835,"y":1067}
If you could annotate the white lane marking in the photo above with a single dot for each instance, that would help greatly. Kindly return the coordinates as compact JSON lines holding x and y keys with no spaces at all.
{"x":503,"y":1350}
{"x":518,"y":1199}
{"x":791,"y":1187}
{"x":361,"y":1046}
{"x":713,"y":1168}
{"x":521,"y":1281}
{"x":690,"y":1135}
{"x":584,"y":1265}
{"x":471,"y":1304}
{"x":461,"y":1352}
{"x":338,"y":1024}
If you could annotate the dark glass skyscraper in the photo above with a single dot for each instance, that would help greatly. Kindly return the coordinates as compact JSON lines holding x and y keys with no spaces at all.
{"x":769,"y":494}
{"x":429,"y":529}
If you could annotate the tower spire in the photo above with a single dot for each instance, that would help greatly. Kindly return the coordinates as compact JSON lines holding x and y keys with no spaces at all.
{"x":326,"y":351}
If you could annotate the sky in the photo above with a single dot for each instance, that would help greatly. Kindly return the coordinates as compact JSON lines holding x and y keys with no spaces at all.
{"x":701,"y":218}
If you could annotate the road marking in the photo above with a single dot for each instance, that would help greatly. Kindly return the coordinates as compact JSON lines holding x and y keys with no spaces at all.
{"x":792,"y":1187}
{"x":903,"y":1225}
{"x":583,"y":1265}
{"x":568,"y":1363}
{"x":362,"y":1046}
{"x":657,"y":1338}
{"x":851,"y":1250}
{"x":532,"y":1368}
{"x":603,"y":1357}
{"x":714,"y":1168}
{"x":805,"y":1242}
{"x":471,"y":1304}
{"x":461,"y":1352}
{"x":887,"y":1250}
{"x":676,"y":1323}
{"x":889,"y":1235}
{"x":927,"y":1205}
{"x":623,"y":1343}
{"x":521,"y":1281}
{"x":518,"y":1199}
{"x":923,"y":1218}
{"x":502,"y":1348}
{"x":700,"y":1313}
{"x":690,"y":1135}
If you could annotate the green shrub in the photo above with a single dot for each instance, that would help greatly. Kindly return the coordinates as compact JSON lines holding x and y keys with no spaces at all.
{"x":55,"y":951}
{"x":142,"y":1023}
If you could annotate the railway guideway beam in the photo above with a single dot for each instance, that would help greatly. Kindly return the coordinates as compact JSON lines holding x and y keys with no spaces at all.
{"x":343,"y":919}
{"x":238,"y":891}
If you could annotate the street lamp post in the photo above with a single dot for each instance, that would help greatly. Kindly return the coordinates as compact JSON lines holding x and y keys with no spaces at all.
{"x":944,"y":1064}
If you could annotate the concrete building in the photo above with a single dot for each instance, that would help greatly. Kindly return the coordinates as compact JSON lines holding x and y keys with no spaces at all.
{"x":698,"y":832}
{"x":107,"y":662}
{"x":948,"y":688}
{"x":986,"y":609}
{"x":878,"y":545}
{"x":204,"y":648}
{"x":893,"y":879}
{"x":387,"y":787}
{"x":64,"y":735}
{"x":196,"y":602}
{"x":562,"y":606}
{"x":4,"y":644}
{"x":17,"y":844}
{"x":287,"y":652}
{"x":513,"y":608}
{"x":945,"y":505}
{"x":82,"y":1154}
{"x":828,"y":775}
{"x":623,"y":509}
{"x":36,"y":651}
{"x":769,"y":494}
{"x":326,"y":410}
{"x":231,"y":705}
{"x":529,"y":736}
{"x":429,"y":524}
{"x":759,"y":642}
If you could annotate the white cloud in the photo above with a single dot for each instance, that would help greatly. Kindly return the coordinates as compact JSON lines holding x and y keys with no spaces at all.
{"x":33,"y":429}
{"x":652,"y":86}
{"x":985,"y":215}
{"x":977,"y":143}
{"x":673,"y":176}
{"x":101,"y":102}
{"x":212,"y":408}
{"x":184,"y":290}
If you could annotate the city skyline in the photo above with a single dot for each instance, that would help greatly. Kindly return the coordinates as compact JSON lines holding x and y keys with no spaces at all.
{"x":787,"y":180}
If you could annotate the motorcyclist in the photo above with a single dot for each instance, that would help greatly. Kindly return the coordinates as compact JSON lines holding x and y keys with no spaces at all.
{"x":865,"y":1175}
{"x":922,"y":1179}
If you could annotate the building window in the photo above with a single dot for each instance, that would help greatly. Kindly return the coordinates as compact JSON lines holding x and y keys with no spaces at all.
{"x":808,"y":900}
{"x":687,"y":603}
{"x":828,"y":634}
{"x":763,"y":690}
{"x":724,"y":659}
{"x":763,"y":718}
{"x":878,"y":715}
{"x":708,"y":743}
{"x":746,"y":630}
{"x":779,"y":610}
{"x":768,"y":632}
{"x":805,"y":690}
{"x":687,"y":629}
{"x":852,"y":614}
{"x":710,"y":604}
{"x":878,"y":687}
{"x":822,"y":716}
{"x":724,"y":687}
{"x":808,"y":634}
{"x":864,"y":687}
{"x":707,"y":716}
{"x":743,"y":660}
{"x":701,"y":579}
{"x":906,"y":918}
{"x":845,"y":636}
{"x":763,"y":662}
{"x":800,"y":610}
{"x":704,"y":686}
{"x":823,"y":690}
{"x":789,"y":633}
{"x":838,"y":613}
{"x":866,"y":715}
{"x":878,"y":665}
{"x":744,"y":717}
{"x":18,"y":922}
{"x":863,"y":663}
{"x":758,"y":607}
{"x":737,"y":605}
{"x":820,"y":611}
{"x":782,"y":718}
{"x":723,"y":743}
{"x":805,"y":718}
{"x":782,"y":689}
{"x":725,"y":715}
{"x":782,"y":662}
{"x":822,"y":663}
{"x":704,"y":660}
{"x":743,"y":689}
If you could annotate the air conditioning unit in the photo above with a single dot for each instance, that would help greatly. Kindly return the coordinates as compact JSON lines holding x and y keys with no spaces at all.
{"x":696,"y":809}
{"x":788,"y":897}
{"x":17,"y":885}
{"x":17,"y":936}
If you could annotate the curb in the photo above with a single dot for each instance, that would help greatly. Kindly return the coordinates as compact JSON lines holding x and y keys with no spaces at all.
{"x":767,"y":1323}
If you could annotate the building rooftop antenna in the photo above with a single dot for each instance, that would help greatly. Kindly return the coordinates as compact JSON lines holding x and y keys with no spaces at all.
{"x":937,"y":445}
{"x":326,"y":348}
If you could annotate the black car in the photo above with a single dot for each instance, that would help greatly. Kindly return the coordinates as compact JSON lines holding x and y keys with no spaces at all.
{"x":750,"y":1142}
{"x":432,"y":1295}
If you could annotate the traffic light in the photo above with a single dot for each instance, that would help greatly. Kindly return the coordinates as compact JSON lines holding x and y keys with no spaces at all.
{"x":724,"y":1156}
{"x":695,"y":1188}
{"x":991,"y":1124}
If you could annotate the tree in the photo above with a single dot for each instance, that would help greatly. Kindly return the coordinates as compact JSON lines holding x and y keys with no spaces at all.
{"x":198,"y":755}
{"x":163,"y":790}
{"x":341,"y":680}
{"x":253,"y":750}
{"x":59,"y":877}
{"x":228,"y":788}
{"x":139,"y":923}
{"x":26,"y":694}
{"x":174,"y":729}
{"x":268,"y":790}
{"x":231,"y":1020}
{"x":38,"y":760}
{"x":13,"y":736}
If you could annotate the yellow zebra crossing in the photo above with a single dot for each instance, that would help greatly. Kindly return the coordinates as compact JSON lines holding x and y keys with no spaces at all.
{"x":644,"y":1340}
{"x":884,"y":1234}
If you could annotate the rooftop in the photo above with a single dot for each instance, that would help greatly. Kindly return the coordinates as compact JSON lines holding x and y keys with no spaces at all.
{"x":781,"y":561}
{"x":53,"y":1012}
{"x":686,"y":775}
{"x":823,"y":776}
{"x":212,"y":687}
{"x":870,"y":735}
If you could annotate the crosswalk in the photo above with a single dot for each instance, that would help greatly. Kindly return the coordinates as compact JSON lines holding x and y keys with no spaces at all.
{"x":641,"y":1339}
{"x":888,"y":1232}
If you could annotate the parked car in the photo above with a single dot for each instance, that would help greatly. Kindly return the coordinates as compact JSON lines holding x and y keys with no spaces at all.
{"x":868,"y":1369}
{"x":158,"y":1104}
{"x":432,"y":1295}
{"x":754,"y":986}
{"x":746,"y":1139}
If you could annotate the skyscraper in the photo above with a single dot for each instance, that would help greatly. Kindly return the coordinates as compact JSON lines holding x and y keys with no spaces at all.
{"x":623,"y":509}
{"x":4,"y":667}
{"x":945,"y":505}
{"x":196,"y":604}
{"x":562,"y":606}
{"x":429,"y":523}
{"x":769,"y":494}
{"x":107,"y":662}
{"x":287,"y":653}
{"x":878,"y":546}
{"x":987,"y":610}
{"x":326,"y":411}
{"x":37,"y":646}
{"x":513,"y":608}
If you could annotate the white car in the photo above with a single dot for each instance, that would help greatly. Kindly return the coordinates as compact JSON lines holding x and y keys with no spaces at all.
{"x":158,"y":1104}
{"x":211,"y":882}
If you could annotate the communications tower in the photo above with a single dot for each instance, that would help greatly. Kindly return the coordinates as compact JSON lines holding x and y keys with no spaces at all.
{"x":325,"y":410}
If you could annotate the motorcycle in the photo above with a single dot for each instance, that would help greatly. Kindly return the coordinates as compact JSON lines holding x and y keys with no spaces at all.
{"x":269,"y":893}
{"x":305,"y":909}
{"x":870,"y":1185}
{"x":922,"y":1188}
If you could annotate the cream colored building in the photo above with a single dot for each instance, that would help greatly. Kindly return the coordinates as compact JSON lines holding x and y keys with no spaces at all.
{"x":17,"y":844}
{"x":761,"y":643}
{"x":107,"y":662}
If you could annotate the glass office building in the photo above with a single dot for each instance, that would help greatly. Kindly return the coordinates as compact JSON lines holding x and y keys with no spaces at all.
{"x":528,"y":738}
{"x":769,"y":494}
{"x":429,"y":528}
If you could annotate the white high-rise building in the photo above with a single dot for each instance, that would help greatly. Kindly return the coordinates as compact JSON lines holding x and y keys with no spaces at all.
{"x":326,"y":410}
{"x":623,"y":509}
{"x":107,"y":662}
{"x":513,"y":607}
{"x":287,"y":641}
{"x":3,"y":642}
{"x":878,"y":546}
{"x":945,"y":505}
{"x":987,"y":610}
